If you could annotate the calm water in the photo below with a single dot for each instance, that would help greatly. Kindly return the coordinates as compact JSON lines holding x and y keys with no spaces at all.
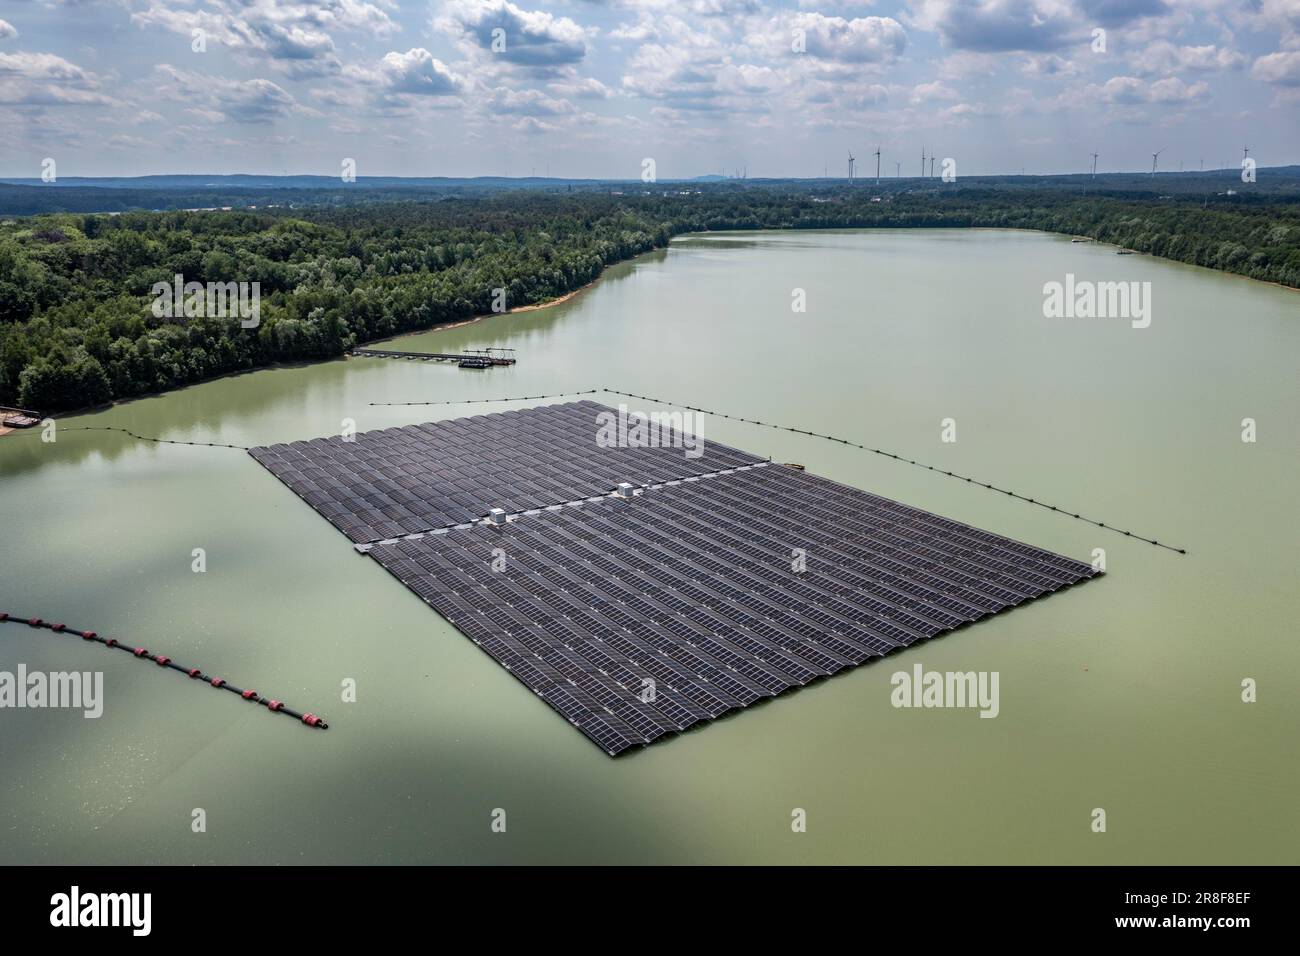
{"x":1122,"y":694}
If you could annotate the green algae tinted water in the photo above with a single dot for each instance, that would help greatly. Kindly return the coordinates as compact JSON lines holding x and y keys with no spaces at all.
{"x":1123,"y":694}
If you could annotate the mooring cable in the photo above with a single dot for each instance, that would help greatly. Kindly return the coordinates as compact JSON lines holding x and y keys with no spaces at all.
{"x":476,"y":401}
{"x":738,"y":418}
{"x":275,"y":706}
{"x":212,"y":444}
{"x":127,"y":431}
{"x":909,"y":461}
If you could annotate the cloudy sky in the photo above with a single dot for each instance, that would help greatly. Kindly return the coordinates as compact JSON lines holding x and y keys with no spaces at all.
{"x":588,"y":89}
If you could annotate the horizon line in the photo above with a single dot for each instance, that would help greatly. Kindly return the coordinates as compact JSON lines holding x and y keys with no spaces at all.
{"x":718,"y":177}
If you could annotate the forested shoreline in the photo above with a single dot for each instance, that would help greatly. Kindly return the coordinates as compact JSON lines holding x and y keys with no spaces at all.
{"x":76,"y":328}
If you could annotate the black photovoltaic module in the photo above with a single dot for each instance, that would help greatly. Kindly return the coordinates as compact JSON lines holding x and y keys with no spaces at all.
{"x":381,"y":484}
{"x":639,"y":616}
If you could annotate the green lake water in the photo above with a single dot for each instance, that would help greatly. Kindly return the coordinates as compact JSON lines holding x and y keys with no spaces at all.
{"x":1122,"y":694}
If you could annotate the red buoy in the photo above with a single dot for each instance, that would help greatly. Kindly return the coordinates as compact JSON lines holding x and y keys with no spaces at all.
{"x":162,"y":660}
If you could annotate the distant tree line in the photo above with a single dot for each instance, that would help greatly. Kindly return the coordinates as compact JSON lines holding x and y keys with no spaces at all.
{"x":76,"y":328}
{"x":1256,"y":237}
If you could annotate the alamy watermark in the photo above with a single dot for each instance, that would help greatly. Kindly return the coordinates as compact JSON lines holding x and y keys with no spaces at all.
{"x":129,"y":910}
{"x":74,"y":690}
{"x":922,"y":688}
{"x":1085,"y":299}
{"x":213,"y":300}
{"x":626,"y":429}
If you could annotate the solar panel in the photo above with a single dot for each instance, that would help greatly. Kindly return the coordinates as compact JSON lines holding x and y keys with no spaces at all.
{"x":638,"y":617}
{"x":696,"y":625}
{"x":381,"y":484}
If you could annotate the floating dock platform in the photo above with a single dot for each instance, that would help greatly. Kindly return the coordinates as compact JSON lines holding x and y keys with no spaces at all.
{"x":11,"y":417}
{"x":464,"y":359}
{"x":640,"y":591}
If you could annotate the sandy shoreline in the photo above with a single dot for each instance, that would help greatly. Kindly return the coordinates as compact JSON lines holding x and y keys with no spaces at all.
{"x":491,"y":315}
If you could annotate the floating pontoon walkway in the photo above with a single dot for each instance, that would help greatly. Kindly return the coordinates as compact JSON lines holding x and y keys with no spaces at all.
{"x":642,"y":590}
{"x":479,"y":359}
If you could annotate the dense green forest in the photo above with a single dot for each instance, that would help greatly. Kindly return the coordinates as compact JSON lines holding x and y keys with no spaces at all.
{"x":76,"y":328}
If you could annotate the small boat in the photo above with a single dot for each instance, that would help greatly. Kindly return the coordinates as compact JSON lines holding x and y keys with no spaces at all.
{"x":475,"y":363}
{"x":1124,"y":252}
{"x":1078,"y":240}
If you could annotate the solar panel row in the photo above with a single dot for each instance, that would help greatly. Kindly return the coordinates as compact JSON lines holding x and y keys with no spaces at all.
{"x":395,"y":481}
{"x":634,"y":618}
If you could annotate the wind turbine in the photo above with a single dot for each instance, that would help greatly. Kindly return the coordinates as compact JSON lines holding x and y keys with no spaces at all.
{"x":851,"y":161}
{"x":1155,"y":156}
{"x":1094,"y":164}
{"x":877,"y":165}
{"x":898,"y":169}
{"x":922,"y":162}
{"x":931,"y":166}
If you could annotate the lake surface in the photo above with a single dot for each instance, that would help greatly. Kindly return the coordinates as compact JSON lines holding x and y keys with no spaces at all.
{"x":1122,"y":694}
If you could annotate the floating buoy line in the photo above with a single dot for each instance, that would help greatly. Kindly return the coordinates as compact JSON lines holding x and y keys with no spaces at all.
{"x":476,"y":401}
{"x":194,"y":673}
{"x":126,"y":431}
{"x":216,"y":444}
{"x":1067,"y":512}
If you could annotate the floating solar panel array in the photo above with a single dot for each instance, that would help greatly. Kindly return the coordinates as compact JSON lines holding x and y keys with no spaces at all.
{"x":720,"y":581}
{"x":381,"y":484}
